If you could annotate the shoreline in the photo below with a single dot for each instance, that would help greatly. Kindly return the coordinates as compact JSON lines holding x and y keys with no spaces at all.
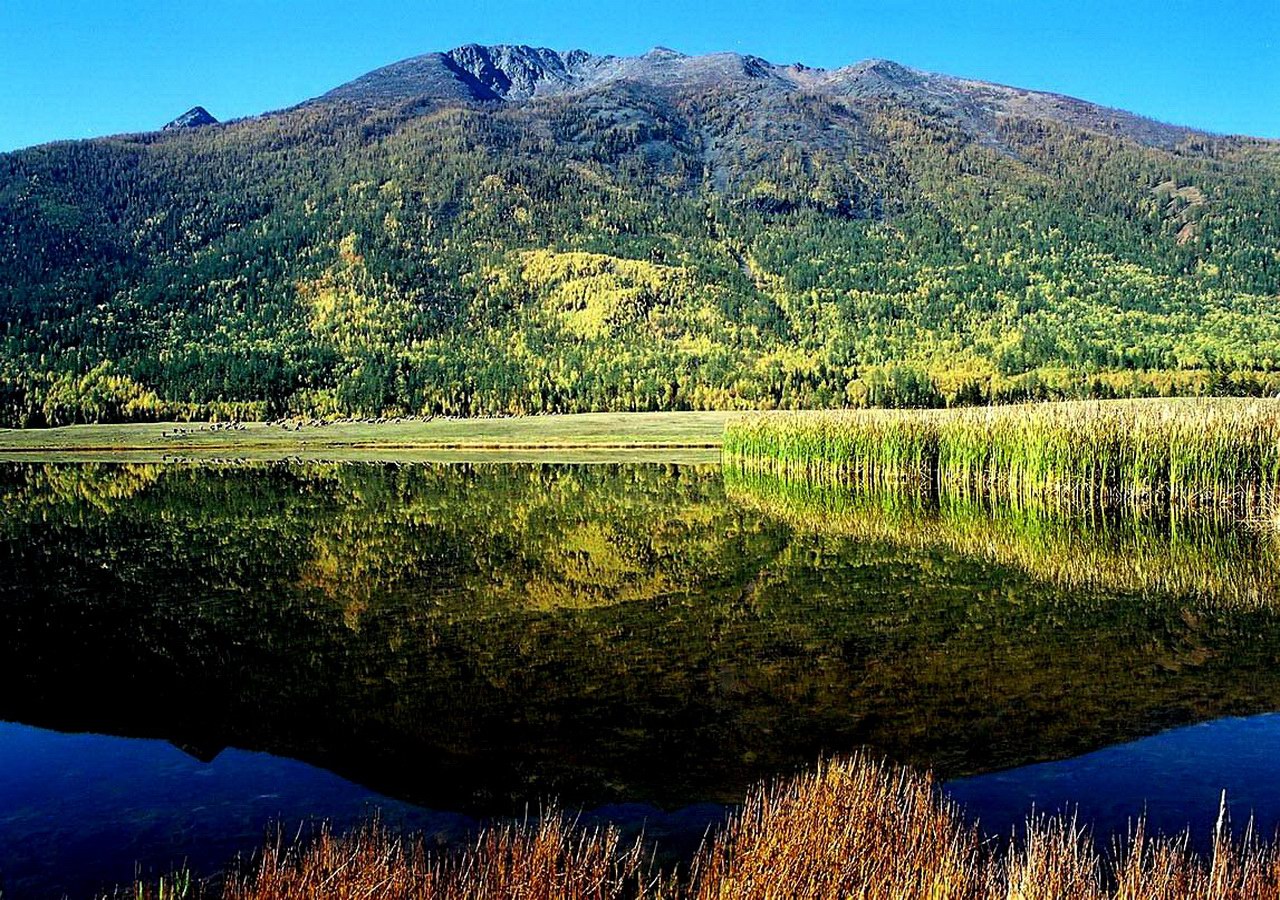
{"x":650,"y":432}
{"x":552,"y":455}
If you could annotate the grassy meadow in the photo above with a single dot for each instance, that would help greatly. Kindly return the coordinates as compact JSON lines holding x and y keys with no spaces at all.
{"x":850,"y":828}
{"x":630,"y":431}
{"x":1182,"y":449}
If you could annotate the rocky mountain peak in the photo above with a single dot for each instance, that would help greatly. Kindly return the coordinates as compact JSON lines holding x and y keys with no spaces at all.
{"x":889,"y":70}
{"x":517,"y":71}
{"x":196,"y":117}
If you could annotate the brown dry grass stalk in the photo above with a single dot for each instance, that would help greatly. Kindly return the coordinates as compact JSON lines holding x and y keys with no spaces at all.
{"x":552,"y":858}
{"x":853,"y":828}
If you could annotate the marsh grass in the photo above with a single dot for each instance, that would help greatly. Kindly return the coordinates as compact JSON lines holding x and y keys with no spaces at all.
{"x":533,"y":860}
{"x":1184,"y":449}
{"x":854,"y":828}
{"x":850,"y":828}
{"x":550,"y":858}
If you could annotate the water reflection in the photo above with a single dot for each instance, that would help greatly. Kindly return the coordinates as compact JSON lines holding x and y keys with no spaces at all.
{"x":1177,"y":779}
{"x":81,"y":814}
{"x":78,"y":811}
{"x":1208,"y":555}
{"x":475,"y":637}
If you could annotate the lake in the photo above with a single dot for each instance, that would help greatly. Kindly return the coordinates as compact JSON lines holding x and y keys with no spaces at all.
{"x":194,"y":654}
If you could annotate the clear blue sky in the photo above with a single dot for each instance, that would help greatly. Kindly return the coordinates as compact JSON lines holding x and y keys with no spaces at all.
{"x":78,"y":68}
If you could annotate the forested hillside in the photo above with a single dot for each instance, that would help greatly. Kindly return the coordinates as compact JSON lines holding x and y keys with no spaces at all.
{"x":509,"y":230}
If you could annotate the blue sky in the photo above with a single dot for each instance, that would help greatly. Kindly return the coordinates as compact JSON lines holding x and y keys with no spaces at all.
{"x":79,"y":68}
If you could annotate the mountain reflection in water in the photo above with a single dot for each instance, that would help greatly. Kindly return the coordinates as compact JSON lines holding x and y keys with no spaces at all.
{"x":474,"y":638}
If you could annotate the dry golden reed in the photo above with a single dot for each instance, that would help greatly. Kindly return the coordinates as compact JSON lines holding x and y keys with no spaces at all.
{"x":533,"y":861}
{"x":850,"y":829}
{"x":853,"y":828}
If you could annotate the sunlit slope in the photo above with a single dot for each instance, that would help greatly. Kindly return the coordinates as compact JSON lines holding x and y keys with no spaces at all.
{"x":518,"y":231}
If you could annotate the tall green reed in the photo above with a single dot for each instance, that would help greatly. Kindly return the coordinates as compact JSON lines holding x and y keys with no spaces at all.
{"x":1184,"y":449}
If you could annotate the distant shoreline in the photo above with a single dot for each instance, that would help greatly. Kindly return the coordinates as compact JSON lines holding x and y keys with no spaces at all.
{"x":626,"y":433}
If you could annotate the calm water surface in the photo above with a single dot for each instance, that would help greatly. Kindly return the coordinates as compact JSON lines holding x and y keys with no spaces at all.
{"x":191,"y":653}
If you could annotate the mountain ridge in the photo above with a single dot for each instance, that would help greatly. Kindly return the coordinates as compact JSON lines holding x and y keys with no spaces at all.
{"x":511,"y":229}
{"x":521,"y":72}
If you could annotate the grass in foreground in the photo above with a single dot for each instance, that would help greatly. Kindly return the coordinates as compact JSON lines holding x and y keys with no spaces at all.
{"x":852,"y":828}
{"x":1181,"y":449}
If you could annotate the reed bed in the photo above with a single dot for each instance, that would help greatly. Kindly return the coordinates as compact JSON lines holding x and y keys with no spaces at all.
{"x":1185,"y":449}
{"x":852,"y":828}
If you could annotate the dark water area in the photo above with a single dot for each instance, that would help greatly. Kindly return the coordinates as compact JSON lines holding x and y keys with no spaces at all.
{"x":451,"y":643}
{"x":77,"y":810}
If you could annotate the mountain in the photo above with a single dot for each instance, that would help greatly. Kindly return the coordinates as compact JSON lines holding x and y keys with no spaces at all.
{"x":521,"y":73}
{"x":514,"y":229}
{"x":195,"y":117}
